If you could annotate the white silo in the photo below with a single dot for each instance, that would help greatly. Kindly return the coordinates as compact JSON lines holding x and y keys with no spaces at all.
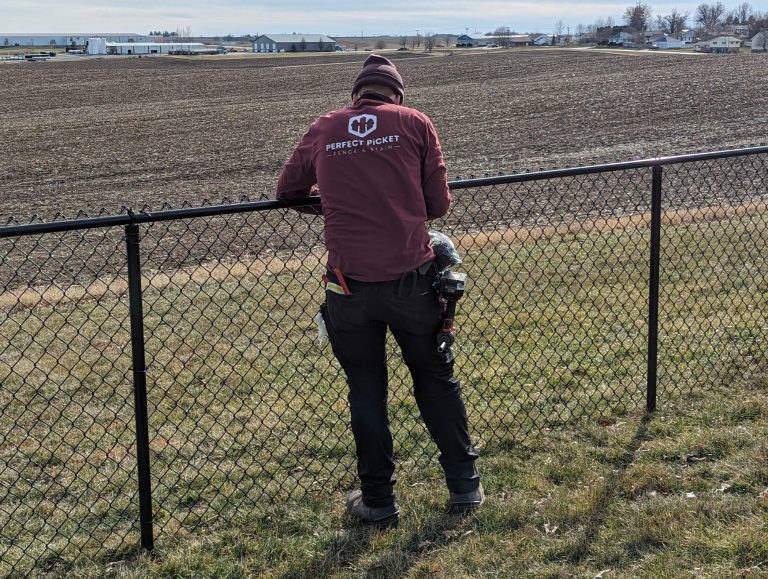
{"x":97,"y":46}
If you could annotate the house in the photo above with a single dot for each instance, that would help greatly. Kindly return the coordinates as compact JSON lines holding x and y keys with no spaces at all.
{"x":719,"y":45}
{"x":689,"y":37}
{"x":740,"y":31}
{"x":760,"y":42}
{"x":622,"y":39}
{"x":474,"y":40}
{"x":665,"y":42}
{"x":519,"y":40}
{"x":542,"y":40}
{"x":294,"y":43}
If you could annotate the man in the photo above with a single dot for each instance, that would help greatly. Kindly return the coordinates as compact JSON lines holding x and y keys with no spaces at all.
{"x":380,"y":174}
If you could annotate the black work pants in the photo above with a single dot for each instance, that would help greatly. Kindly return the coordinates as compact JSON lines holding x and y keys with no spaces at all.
{"x":357,"y":326}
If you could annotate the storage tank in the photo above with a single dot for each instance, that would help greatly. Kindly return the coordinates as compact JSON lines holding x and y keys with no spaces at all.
{"x":97,"y":46}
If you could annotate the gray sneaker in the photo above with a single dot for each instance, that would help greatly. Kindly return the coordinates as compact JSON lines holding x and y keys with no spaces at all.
{"x":379,"y":517}
{"x":464,"y":503}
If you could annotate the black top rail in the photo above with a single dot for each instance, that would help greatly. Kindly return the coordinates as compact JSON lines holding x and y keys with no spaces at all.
{"x":608,"y":167}
{"x":225,"y":209}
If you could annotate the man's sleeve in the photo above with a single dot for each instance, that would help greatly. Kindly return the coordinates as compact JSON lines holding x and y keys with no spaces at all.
{"x":437,"y":195}
{"x":298,"y":174}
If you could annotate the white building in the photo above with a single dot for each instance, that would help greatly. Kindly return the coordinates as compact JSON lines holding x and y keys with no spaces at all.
{"x":67,"y":40}
{"x":665,"y":42}
{"x":101,"y":46}
{"x":760,"y":42}
{"x":721,"y":44}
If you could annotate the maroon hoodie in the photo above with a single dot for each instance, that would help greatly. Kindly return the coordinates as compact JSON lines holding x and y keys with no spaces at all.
{"x":381,"y":176}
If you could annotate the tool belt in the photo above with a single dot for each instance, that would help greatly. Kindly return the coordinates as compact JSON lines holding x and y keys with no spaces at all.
{"x":334,"y":280}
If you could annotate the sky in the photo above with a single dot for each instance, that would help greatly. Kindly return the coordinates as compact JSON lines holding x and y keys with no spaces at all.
{"x":330,"y":17}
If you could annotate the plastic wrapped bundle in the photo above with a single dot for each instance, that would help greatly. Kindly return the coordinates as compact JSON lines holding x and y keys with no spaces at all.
{"x":445,"y":252}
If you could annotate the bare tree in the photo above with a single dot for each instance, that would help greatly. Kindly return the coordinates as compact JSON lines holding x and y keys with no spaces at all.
{"x":320,"y":44}
{"x":504,"y":36}
{"x":429,"y":42}
{"x":710,"y":16}
{"x":303,"y":44}
{"x":638,"y":17}
{"x":403,"y":41}
{"x":673,"y":23}
{"x":741,"y":13}
{"x":184,"y":33}
{"x":602,"y":29}
{"x":559,"y":27}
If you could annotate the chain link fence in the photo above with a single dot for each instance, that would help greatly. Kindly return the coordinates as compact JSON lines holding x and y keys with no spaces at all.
{"x":160,"y":373}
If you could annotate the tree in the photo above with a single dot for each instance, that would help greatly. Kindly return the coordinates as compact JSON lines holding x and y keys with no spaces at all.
{"x":503,"y":35}
{"x":638,"y":17}
{"x":673,"y":23}
{"x":710,"y":16}
{"x":403,"y":41}
{"x":429,"y":42}
{"x":380,"y":45}
{"x":559,"y":27}
{"x":303,"y":44}
{"x":184,"y":33}
{"x":741,"y":13}
{"x":320,"y":44}
{"x":603,"y":30}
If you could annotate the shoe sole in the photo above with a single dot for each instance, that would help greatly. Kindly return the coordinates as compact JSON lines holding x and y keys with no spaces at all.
{"x":463,"y":508}
{"x":388,"y":523}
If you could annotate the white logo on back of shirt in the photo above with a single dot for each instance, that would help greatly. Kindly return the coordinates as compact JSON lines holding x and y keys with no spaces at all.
{"x":362,"y":125}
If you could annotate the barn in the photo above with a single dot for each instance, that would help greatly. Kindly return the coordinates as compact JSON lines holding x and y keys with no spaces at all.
{"x":294,"y":43}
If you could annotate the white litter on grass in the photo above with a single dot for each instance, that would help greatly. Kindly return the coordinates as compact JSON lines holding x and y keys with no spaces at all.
{"x":322,"y":331}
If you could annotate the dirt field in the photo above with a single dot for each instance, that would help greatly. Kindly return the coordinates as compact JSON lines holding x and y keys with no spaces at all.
{"x":106,"y":133}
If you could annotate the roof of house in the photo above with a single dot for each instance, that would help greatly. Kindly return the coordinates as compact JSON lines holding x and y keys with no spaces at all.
{"x":286,"y":38}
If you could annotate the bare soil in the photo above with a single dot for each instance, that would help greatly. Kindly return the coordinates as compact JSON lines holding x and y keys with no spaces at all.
{"x":105,"y":133}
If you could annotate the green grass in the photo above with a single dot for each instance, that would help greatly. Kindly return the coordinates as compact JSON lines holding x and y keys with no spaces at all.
{"x":251,"y":454}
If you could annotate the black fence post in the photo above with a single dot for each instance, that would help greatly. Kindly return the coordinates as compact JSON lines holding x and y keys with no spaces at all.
{"x":139,"y":385}
{"x":653,"y":290}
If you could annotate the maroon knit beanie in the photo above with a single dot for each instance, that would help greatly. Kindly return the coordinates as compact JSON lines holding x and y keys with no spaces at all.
{"x":379,"y":70}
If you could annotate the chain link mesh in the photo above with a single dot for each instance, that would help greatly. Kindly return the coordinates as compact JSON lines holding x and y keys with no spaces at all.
{"x":245,"y":406}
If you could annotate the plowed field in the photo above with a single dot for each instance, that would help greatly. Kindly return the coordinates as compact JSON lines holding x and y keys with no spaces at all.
{"x":106,"y":133}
